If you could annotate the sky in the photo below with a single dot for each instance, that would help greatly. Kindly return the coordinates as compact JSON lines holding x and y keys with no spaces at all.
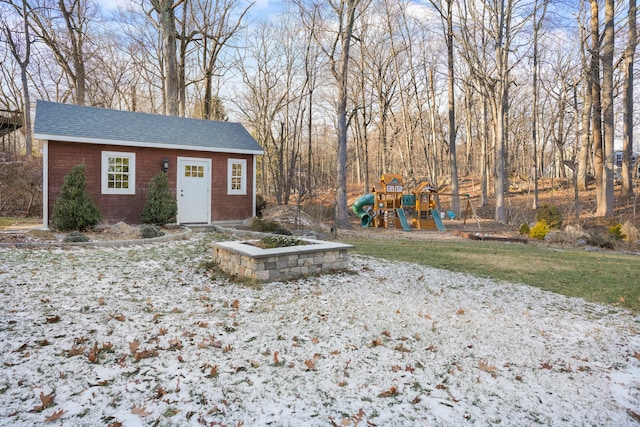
{"x":261,"y":6}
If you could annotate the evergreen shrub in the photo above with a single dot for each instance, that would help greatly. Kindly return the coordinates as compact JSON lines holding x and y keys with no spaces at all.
{"x":551,"y":215}
{"x":74,"y":209}
{"x":149,"y":231}
{"x":161,"y":207}
{"x":539,"y":230}
{"x":76,"y":236}
{"x":616,"y":232}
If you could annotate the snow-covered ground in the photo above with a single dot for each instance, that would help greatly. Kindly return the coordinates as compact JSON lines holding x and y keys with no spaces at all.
{"x":142,"y":335}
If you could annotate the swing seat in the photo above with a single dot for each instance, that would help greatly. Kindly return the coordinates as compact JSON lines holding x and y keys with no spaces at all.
{"x":451,"y":214}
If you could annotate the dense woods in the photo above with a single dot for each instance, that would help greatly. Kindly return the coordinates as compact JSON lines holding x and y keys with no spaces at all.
{"x":339,"y":92}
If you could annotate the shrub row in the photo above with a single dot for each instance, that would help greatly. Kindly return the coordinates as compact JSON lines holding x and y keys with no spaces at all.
{"x":75,"y":209}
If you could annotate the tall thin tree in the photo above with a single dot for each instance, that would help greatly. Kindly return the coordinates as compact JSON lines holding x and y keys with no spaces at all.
{"x":627,"y":142}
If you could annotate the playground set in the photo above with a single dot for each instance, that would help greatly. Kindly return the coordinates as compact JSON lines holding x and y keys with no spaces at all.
{"x":388,"y":206}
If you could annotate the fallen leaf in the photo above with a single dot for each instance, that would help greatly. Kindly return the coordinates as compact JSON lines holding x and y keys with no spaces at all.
{"x":276,"y":360}
{"x":546,"y":365}
{"x":140,"y":411}
{"x":393,"y":390}
{"x":75,"y":351}
{"x":55,"y":416}
{"x":636,"y":355}
{"x":93,"y":354}
{"x":47,"y":401}
{"x":416,"y":400}
{"x":484,"y":366}
{"x":175,"y":344}
{"x":402,"y":348}
{"x":315,"y":340}
{"x":460,"y":312}
{"x":310,"y":364}
{"x":235,"y":304}
{"x":133,"y":346}
{"x":54,"y":319}
{"x":144,"y":354}
{"x":23,"y":347}
{"x":633,"y":415}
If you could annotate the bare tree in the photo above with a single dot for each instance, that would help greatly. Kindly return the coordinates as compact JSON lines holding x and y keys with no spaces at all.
{"x":217,"y":24}
{"x":64,"y":27}
{"x":493,"y":77}
{"x":337,"y":51}
{"x":537,"y":24}
{"x":603,"y":107}
{"x":22,"y":56}
{"x":587,"y":92}
{"x":166,"y":19}
{"x":627,"y":148}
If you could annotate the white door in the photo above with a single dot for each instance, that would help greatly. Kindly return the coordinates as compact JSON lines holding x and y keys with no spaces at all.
{"x":194,"y":190}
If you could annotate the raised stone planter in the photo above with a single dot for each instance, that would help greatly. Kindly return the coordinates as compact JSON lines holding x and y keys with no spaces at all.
{"x":245,"y":260}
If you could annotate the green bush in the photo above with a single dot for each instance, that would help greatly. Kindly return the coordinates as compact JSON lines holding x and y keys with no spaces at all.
{"x":551,"y":215}
{"x":161,"y":207}
{"x":264,"y":225}
{"x":74,"y":209}
{"x":524,"y":229}
{"x":539,"y":230}
{"x":601,"y":241}
{"x":269,"y":242}
{"x":149,"y":231}
{"x":76,"y":236}
{"x":615,"y":231}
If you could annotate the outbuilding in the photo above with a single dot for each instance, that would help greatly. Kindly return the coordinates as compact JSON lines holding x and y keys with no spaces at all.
{"x":210,"y":165}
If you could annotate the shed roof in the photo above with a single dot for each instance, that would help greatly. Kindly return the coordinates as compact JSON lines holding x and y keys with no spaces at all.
{"x":76,"y":123}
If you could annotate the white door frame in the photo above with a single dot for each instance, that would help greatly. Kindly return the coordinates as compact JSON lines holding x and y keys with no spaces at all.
{"x":181,"y":186}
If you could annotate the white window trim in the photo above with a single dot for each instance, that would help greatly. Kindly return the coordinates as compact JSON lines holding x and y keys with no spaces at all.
{"x":243,"y":186}
{"x":132,"y":173}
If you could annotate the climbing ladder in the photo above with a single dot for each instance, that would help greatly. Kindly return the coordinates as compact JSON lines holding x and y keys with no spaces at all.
{"x":390,"y":218}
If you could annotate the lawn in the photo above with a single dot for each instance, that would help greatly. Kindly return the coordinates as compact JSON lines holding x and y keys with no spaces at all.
{"x":148,"y":335}
{"x":602,"y":277}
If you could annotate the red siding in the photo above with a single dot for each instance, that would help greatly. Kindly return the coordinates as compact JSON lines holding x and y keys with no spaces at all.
{"x":64,"y":155}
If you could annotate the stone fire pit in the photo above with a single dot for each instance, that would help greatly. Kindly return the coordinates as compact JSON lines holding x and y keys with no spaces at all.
{"x":243,"y":259}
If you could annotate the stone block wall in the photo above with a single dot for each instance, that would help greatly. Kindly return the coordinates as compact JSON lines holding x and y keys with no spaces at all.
{"x":244,"y":260}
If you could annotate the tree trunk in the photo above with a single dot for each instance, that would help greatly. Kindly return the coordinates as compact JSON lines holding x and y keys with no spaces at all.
{"x":605,"y":206}
{"x":341,"y":73}
{"x":594,"y":75}
{"x":627,"y":143}
{"x":23,"y":63}
{"x":455,"y":199}
{"x":167,"y":21}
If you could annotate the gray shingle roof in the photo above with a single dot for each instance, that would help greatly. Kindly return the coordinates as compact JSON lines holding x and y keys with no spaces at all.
{"x":75,"y":123}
